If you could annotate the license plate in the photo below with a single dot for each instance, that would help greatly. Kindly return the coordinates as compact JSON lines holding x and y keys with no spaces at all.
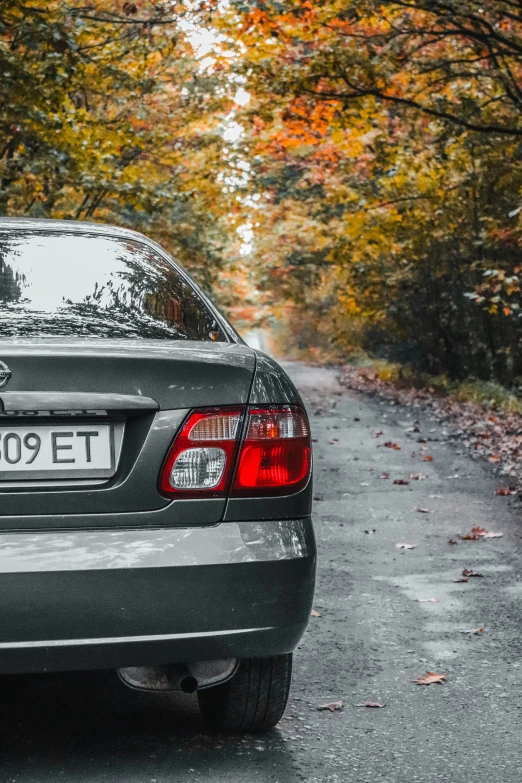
{"x":64,"y":451}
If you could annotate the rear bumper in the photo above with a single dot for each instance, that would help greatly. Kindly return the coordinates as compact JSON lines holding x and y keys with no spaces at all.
{"x":117,"y":598}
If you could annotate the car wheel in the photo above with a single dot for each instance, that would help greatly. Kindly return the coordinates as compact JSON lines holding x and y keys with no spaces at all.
{"x":254,"y":699}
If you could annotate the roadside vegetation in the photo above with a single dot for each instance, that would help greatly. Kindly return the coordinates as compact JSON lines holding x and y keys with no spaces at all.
{"x":489,"y":394}
{"x":349,"y":171}
{"x":385,"y":143}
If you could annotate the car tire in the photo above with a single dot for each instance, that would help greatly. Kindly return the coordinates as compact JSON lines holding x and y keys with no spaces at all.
{"x":253,"y":700}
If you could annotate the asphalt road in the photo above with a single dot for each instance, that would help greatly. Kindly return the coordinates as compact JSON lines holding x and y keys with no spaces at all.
{"x":372,"y":639}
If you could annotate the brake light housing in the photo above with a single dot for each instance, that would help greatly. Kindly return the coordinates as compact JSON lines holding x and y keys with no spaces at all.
{"x":239,"y":452}
{"x":201,"y":460}
{"x":275,"y":456}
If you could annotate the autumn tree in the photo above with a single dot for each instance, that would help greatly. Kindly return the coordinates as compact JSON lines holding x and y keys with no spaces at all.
{"x":106,"y":114}
{"x":384,"y":142}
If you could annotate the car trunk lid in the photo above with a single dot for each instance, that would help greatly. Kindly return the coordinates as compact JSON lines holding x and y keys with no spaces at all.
{"x":140,"y":390}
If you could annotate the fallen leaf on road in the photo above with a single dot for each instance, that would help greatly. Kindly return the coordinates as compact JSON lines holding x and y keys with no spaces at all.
{"x":375,"y":704}
{"x":458,"y":581}
{"x":390,"y":445}
{"x":431,"y":678}
{"x":477,"y":533}
{"x":384,"y":476}
{"x":318,"y":497}
{"x":505,"y":491}
{"x":364,"y":484}
{"x":315,"y":613}
{"x":468,"y":572}
{"x":373,"y":530}
{"x":416,"y":476}
{"x":452,"y":541}
{"x":422,"y":510}
{"x":332,"y":707}
{"x":427,"y":458}
{"x":421,"y":440}
{"x":475,"y":631}
{"x":436,"y":497}
{"x":494,"y":458}
{"x":402,"y":482}
{"x":427,"y":600}
{"x":405,"y":546}
{"x":378,"y":434}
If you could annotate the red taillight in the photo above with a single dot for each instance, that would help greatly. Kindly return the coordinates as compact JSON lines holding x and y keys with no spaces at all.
{"x":275,"y":457}
{"x":202,"y":458}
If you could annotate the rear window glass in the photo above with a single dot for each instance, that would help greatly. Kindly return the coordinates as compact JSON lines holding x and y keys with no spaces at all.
{"x":84,"y":285}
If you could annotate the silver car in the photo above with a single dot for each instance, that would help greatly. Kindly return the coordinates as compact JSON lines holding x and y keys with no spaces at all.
{"x":155,"y":478}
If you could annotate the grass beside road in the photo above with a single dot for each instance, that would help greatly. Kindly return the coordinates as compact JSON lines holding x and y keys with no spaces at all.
{"x":489,"y":394}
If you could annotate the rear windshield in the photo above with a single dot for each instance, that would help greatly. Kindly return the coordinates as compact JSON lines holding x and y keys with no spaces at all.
{"x":84,"y":285}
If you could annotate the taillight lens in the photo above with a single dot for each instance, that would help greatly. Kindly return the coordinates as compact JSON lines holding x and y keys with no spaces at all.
{"x":275,"y":457}
{"x":202,"y":458}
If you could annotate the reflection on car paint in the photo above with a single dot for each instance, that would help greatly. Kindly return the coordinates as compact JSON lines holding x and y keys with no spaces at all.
{"x":109,"y":549}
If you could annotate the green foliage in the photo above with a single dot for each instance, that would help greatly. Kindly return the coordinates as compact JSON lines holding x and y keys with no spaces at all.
{"x":106,"y":114}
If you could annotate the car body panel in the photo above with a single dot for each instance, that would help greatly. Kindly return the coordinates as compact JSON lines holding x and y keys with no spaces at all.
{"x":175,"y":377}
{"x":271,"y":385}
{"x":174,"y":374}
{"x":83,"y":599}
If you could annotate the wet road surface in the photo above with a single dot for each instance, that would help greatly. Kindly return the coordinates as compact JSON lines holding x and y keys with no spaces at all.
{"x":374,"y":636}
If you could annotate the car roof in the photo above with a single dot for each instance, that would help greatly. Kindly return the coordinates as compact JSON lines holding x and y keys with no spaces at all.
{"x":70,"y":227}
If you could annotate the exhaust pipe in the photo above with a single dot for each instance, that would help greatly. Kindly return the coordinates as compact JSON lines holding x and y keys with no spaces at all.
{"x":182,"y":679}
{"x":177,"y":677}
{"x":187,"y":678}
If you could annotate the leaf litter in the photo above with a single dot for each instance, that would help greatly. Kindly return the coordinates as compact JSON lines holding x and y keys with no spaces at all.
{"x":431,"y":678}
{"x":478,"y":533}
{"x":492,"y":435}
{"x":331,"y":706}
{"x":373,"y":704}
